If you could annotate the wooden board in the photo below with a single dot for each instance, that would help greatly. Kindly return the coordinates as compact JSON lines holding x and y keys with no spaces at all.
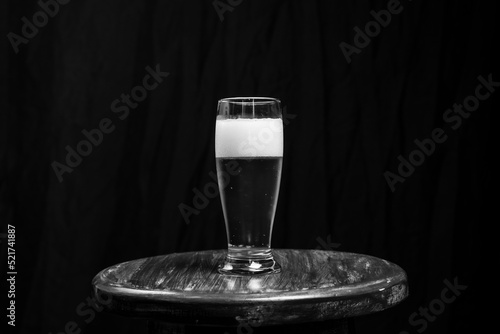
{"x":314,"y":285}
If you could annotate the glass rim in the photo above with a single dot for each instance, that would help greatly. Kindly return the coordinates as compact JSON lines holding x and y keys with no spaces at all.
{"x":242,"y":100}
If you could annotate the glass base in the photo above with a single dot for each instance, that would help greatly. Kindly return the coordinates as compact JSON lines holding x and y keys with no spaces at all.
{"x":244,"y":261}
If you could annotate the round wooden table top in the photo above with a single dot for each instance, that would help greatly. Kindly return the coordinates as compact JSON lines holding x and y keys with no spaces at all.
{"x":314,"y":285}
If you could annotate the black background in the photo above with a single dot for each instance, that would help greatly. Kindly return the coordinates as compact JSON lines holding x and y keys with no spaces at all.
{"x":347,"y":125}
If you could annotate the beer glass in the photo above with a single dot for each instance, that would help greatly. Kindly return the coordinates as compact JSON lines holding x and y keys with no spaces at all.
{"x":249,"y":156}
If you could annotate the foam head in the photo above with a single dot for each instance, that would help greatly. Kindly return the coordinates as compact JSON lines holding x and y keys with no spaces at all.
{"x":248,"y":137}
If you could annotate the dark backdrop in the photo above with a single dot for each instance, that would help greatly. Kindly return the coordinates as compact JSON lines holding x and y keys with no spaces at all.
{"x":347,"y":124}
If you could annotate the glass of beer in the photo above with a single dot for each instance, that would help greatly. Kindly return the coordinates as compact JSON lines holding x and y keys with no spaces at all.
{"x":249,"y":156}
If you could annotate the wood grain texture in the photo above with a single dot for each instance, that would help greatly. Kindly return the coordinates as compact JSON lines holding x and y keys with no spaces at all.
{"x":314,"y":285}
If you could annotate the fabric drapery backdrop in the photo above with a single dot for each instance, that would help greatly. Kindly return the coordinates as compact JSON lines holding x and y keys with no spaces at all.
{"x":346,"y":125}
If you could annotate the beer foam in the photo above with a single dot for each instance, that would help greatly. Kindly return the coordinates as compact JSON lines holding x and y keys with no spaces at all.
{"x":249,"y":137}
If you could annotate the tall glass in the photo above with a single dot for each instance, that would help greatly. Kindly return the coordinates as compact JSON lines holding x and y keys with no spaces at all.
{"x":249,"y":156}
